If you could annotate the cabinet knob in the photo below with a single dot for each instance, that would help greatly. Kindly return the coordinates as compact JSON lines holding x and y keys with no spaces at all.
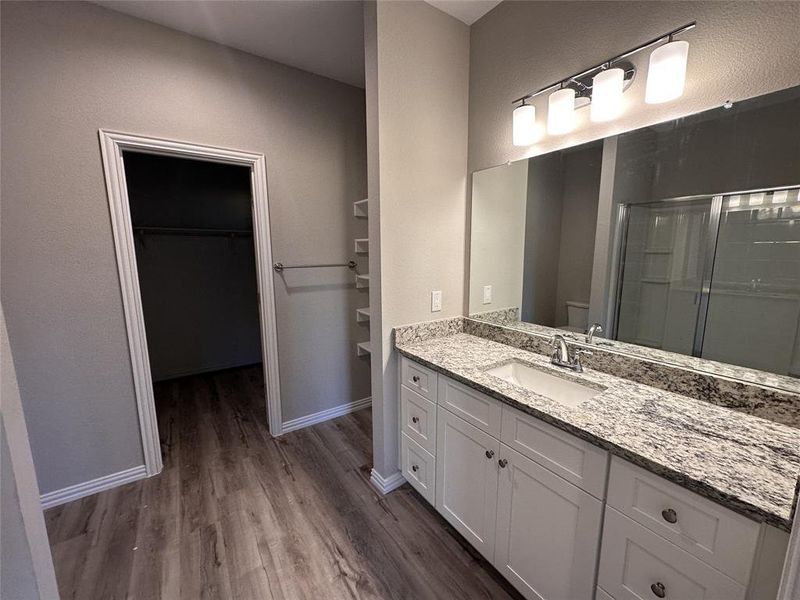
{"x":658,"y":590}
{"x":415,"y":379}
{"x":502,"y":462}
{"x":669,"y":515}
{"x":415,"y":468}
{"x":489,"y":453}
{"x":415,"y":419}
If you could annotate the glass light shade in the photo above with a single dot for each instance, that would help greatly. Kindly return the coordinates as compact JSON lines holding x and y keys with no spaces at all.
{"x":607,"y":95}
{"x":561,"y":111}
{"x":524,"y":125}
{"x":666,"y":74}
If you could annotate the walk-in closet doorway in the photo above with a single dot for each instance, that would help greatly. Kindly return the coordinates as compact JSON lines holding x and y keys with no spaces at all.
{"x":137,"y":228}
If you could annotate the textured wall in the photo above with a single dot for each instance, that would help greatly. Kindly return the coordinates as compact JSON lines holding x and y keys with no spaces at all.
{"x":418,"y":82}
{"x":71,"y":68}
{"x":738,"y":50}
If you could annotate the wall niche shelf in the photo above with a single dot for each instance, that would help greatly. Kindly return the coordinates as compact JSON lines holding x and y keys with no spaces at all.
{"x":362,"y":246}
{"x":360,"y":209}
{"x":362,"y":281}
{"x":363,"y":349}
{"x":362,"y":315}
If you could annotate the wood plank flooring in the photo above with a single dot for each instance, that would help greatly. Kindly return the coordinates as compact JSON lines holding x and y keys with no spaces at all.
{"x":238,"y":514}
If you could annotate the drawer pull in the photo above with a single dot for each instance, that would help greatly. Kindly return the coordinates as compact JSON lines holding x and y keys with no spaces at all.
{"x":489,"y":453}
{"x":670,"y":516}
{"x":415,"y":468}
{"x":415,"y":419}
{"x":658,"y":590}
{"x":502,"y":462}
{"x":415,"y":379}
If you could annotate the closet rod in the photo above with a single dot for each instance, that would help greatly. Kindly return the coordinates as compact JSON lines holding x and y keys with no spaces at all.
{"x":280,"y":266}
{"x":193,"y":231}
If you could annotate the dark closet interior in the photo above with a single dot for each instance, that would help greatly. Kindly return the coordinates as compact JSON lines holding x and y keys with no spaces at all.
{"x":192,"y":224}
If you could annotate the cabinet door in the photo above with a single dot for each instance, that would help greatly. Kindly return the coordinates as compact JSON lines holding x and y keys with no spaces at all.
{"x":548,"y":531}
{"x":466,"y":479}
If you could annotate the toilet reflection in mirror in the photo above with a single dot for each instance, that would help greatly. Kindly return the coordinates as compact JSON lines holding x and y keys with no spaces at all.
{"x":682,"y":237}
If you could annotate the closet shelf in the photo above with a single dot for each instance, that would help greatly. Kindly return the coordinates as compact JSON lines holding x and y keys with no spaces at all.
{"x":362,"y":246}
{"x":363,"y":349}
{"x":360,"y":209}
{"x":362,"y":315}
{"x":362,"y":281}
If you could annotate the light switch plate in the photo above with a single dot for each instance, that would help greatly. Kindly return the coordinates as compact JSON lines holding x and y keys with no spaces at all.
{"x":436,"y":301}
{"x":487,"y":294}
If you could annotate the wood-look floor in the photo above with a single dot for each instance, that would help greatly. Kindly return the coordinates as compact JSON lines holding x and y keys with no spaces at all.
{"x":238,"y":514}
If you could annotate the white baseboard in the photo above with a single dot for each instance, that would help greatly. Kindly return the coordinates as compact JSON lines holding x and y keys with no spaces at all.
{"x":386,"y":484}
{"x":81,"y":490}
{"x":325,"y":415}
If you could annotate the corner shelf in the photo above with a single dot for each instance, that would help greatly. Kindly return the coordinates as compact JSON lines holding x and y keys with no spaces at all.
{"x":360,"y":209}
{"x":362,"y":245}
{"x":363,"y":349}
{"x":362,"y":281}
{"x":362,"y":315}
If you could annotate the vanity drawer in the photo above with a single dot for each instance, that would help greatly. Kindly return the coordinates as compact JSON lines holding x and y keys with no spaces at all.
{"x":419,"y":467}
{"x":418,"y":378}
{"x":418,"y":417}
{"x":574,"y":459}
{"x":475,"y":408}
{"x":636,"y":564}
{"x":720,"y":537}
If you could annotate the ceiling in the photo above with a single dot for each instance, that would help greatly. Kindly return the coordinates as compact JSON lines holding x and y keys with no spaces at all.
{"x":467,"y":11}
{"x":325,"y":37}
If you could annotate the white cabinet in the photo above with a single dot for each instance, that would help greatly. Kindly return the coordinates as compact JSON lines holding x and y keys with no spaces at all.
{"x":548,"y":531}
{"x":636,"y":564}
{"x":466,"y":479}
{"x":533,"y":505}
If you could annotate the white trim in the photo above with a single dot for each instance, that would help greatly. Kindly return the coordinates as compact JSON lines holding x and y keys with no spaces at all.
{"x":87,"y":488}
{"x":112,"y":145}
{"x":386,"y":484}
{"x":326,"y":415}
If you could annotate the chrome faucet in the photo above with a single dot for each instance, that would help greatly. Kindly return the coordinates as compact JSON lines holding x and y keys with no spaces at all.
{"x":596,"y":328}
{"x":561,"y":356}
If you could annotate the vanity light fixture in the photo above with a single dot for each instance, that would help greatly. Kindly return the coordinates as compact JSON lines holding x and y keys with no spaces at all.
{"x":561,"y":111}
{"x":666,"y":73}
{"x":602,"y":87}
{"x":524,"y":125}
{"x":607,"y":88}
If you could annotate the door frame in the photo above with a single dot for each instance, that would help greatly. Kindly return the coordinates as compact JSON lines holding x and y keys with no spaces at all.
{"x":112,"y":145}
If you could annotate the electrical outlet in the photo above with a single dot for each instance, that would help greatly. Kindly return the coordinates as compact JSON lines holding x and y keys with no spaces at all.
{"x":487,"y":294}
{"x":436,"y":301}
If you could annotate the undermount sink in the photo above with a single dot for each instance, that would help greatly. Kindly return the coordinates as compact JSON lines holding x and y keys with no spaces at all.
{"x":563,"y":391}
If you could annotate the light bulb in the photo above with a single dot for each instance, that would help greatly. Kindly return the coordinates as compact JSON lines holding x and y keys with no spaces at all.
{"x":607,"y":94}
{"x":524,"y":125}
{"x":666,"y":74}
{"x":561,"y":111}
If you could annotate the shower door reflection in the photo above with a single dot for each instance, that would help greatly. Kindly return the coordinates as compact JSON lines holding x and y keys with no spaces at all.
{"x":754,"y":301}
{"x":715,"y":277}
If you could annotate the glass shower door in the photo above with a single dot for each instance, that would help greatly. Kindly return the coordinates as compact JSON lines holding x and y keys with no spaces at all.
{"x":754,"y":299}
{"x":660,"y":295}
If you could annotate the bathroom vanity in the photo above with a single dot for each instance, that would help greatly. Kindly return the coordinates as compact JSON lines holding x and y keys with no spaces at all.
{"x":597,"y":487}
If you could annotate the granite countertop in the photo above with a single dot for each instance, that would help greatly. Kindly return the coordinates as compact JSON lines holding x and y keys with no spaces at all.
{"x":746,"y":463}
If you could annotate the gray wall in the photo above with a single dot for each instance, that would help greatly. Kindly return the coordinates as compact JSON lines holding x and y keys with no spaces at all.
{"x":417,"y":82}
{"x":738,"y":50}
{"x":26,"y":566}
{"x":578,"y":222}
{"x":71,"y":68}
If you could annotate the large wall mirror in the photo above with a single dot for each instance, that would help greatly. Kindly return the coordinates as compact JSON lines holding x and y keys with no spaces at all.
{"x":683,"y":237}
